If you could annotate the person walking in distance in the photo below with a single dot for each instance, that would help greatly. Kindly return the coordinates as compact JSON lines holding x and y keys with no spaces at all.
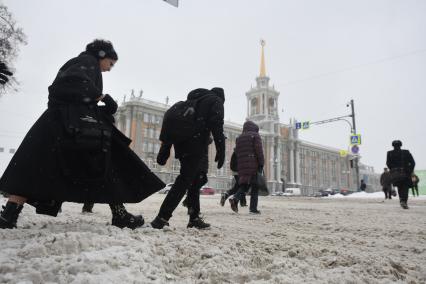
{"x":386,"y":183}
{"x":250,"y":160}
{"x":401,"y":164}
{"x":415,"y":187}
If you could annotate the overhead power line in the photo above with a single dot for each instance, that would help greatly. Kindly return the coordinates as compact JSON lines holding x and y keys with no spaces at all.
{"x":359,"y":66}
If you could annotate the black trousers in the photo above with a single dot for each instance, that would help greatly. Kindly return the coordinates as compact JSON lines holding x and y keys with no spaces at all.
{"x":388,"y":192}
{"x":254,"y":195}
{"x":403,"y":191}
{"x":234,"y":190}
{"x":187,"y":180}
{"x":415,"y":189}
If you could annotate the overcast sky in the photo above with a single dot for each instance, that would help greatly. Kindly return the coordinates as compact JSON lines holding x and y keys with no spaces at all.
{"x":319,"y":55}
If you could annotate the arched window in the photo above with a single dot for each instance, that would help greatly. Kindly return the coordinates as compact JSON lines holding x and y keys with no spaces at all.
{"x":254,"y":106}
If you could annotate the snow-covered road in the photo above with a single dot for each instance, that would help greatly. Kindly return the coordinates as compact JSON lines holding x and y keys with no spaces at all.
{"x":294,"y":240}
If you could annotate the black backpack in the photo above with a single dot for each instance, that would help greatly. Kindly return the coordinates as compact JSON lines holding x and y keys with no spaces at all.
{"x":180,"y":122}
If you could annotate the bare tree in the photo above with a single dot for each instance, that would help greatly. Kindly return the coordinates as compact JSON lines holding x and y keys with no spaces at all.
{"x":11,"y":37}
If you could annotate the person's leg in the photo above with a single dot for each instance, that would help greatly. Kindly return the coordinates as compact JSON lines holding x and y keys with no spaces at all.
{"x":403,"y":195}
{"x":233,"y":201}
{"x":10,"y":213}
{"x":417,"y":190}
{"x":230,"y":192}
{"x":243,"y":201}
{"x":254,"y":197}
{"x":412,"y":191}
{"x":176,"y":193}
{"x":87,"y":207}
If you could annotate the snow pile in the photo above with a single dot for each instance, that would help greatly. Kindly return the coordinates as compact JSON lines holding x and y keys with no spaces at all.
{"x":299,"y":240}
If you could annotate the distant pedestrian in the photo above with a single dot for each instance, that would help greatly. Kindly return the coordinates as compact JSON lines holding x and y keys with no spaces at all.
{"x":386,"y":183}
{"x":415,"y":180}
{"x":363,"y":185}
{"x":250,"y":159}
{"x":225,"y":195}
{"x":401,"y":164}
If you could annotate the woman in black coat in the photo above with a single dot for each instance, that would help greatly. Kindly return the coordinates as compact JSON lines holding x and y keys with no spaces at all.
{"x":74,"y":152}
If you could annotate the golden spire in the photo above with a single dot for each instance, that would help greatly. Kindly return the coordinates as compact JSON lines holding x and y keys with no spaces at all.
{"x":262,"y":60}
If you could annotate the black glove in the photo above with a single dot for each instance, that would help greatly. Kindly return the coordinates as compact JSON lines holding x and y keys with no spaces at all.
{"x":4,"y":72}
{"x":163,"y":154}
{"x":220,"y":152}
{"x":110,"y":105}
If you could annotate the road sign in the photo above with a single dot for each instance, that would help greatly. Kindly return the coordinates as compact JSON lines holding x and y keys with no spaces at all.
{"x":355,"y":149}
{"x":305,"y":125}
{"x":343,"y":153}
{"x":355,"y":139}
{"x":298,"y":125}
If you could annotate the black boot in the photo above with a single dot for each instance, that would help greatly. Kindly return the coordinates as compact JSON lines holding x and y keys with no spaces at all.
{"x":87,"y":207}
{"x":9,"y":215}
{"x":223,"y":198}
{"x":123,"y":219}
{"x":198,"y":223}
{"x":234,"y":204}
{"x":159,"y":223}
{"x":404,"y":204}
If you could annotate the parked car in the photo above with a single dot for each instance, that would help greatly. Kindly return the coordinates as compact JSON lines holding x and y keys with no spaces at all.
{"x":166,"y":189}
{"x":205,"y":190}
{"x":292,"y":191}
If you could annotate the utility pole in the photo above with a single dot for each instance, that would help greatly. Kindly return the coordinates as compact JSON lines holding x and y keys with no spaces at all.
{"x":354,"y":132}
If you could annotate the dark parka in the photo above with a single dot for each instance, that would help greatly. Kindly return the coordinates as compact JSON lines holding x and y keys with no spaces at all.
{"x":399,"y":158}
{"x":36,"y":170}
{"x":209,"y":113}
{"x":249,"y":152}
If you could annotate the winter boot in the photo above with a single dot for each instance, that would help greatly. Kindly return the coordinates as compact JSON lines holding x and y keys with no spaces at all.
{"x":87,"y":207}
{"x":123,"y":219}
{"x":223,"y":198}
{"x":159,"y":223}
{"x":243,"y":203}
{"x":198,"y":223}
{"x":404,"y":204}
{"x":234,"y":204}
{"x":9,"y":215}
{"x":255,"y":212}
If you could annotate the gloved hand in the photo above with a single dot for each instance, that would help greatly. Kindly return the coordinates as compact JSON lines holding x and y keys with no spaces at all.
{"x":4,"y":73}
{"x":110,"y":105}
{"x":163,"y":154}
{"x":220,"y":152}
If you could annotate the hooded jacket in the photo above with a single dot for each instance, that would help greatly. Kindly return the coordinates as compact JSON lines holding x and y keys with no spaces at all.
{"x":249,"y":152}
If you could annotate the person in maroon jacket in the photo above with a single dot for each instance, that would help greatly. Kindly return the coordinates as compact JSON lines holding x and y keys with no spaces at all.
{"x":250,"y":159}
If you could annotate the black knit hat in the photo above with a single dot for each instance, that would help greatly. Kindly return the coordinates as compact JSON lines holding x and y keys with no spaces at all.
{"x":396,"y":143}
{"x":219,"y":92}
{"x":101,"y":49}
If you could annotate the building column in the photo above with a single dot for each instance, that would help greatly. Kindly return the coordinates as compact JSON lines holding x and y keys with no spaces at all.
{"x":297,"y":153}
{"x":278,"y":159}
{"x":291,"y":163}
{"x":128,"y":122}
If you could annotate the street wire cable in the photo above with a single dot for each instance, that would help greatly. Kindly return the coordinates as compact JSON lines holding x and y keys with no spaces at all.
{"x":391,"y":58}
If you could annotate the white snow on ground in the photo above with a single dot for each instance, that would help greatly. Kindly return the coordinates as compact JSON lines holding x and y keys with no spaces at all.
{"x":294,"y":240}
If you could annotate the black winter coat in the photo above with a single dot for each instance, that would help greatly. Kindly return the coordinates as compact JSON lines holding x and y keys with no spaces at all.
{"x":249,"y":152}
{"x":209,"y":113}
{"x":399,"y":158}
{"x":37,"y":169}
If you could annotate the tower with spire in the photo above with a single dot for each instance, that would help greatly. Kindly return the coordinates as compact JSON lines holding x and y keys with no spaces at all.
{"x":262,"y":100}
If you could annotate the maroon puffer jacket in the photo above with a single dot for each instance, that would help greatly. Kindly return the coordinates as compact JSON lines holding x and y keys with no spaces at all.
{"x":249,"y":152}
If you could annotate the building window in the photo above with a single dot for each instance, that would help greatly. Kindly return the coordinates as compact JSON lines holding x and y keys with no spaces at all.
{"x":146,"y":117}
{"x":1,"y":149}
{"x":12,"y":151}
